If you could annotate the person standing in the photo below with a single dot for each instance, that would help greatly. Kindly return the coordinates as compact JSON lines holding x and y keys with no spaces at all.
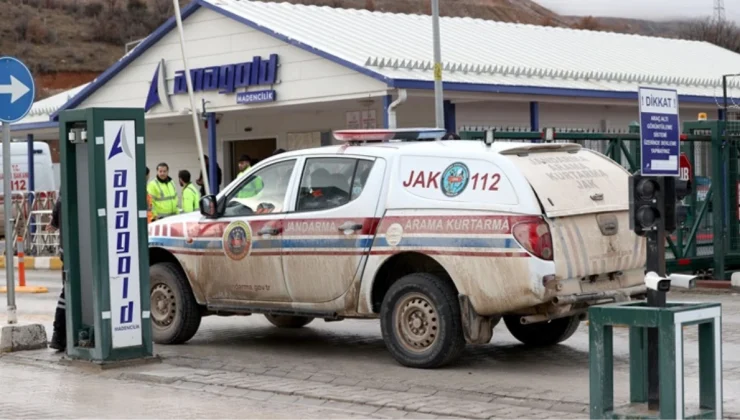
{"x":245,"y":162}
{"x":149,"y":214}
{"x":199,"y":181}
{"x":190,"y":194}
{"x":59,"y":336}
{"x":163,"y":192}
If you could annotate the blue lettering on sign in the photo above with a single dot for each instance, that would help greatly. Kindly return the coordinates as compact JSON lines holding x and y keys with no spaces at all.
{"x":658,"y":101}
{"x":123,"y":238}
{"x":255,"y":97}
{"x":225,"y":79}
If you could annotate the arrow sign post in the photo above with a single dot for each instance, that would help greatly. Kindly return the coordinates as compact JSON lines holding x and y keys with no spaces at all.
{"x":17,"y":91}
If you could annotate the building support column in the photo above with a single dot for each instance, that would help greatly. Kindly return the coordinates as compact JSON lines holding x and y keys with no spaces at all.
{"x":534,"y":116}
{"x":212,"y":154}
{"x":450,"y":117}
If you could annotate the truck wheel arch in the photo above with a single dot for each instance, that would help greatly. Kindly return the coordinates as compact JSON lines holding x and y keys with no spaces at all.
{"x":400,"y":265}
{"x":161,"y":255}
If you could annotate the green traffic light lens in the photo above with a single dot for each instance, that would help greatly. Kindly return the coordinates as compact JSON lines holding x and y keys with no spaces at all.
{"x":646,"y":216}
{"x":646,"y":189}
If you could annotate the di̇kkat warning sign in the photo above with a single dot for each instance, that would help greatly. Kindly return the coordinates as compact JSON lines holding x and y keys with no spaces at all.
{"x":659,"y":132}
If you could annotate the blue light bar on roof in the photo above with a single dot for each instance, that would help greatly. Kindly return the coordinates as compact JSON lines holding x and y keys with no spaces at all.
{"x":384,"y":135}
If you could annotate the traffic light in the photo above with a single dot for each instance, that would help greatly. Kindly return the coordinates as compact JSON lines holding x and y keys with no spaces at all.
{"x":652,"y":203}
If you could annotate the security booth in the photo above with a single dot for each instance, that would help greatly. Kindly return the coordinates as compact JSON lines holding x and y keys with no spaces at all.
{"x":105,"y":234}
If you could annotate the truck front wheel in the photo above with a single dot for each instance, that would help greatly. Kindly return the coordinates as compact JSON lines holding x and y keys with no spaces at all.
{"x":175,"y":313}
{"x":421,"y":323}
{"x":542,"y":333}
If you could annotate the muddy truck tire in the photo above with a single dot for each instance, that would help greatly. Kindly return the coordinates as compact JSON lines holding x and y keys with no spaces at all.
{"x":288,"y":321}
{"x":421,"y":323}
{"x":175,"y":313}
{"x":542,"y":333}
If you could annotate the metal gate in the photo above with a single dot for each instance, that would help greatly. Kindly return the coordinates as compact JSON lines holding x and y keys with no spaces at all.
{"x":713,"y":149}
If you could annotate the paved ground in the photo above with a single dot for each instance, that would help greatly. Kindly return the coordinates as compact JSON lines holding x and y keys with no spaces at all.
{"x":344,"y":366}
{"x":39,"y":392}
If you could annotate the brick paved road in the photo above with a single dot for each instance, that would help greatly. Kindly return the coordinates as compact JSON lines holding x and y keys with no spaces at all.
{"x":28,"y":392}
{"x":346,"y":362}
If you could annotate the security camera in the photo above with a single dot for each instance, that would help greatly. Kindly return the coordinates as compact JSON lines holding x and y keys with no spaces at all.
{"x":654,"y":282}
{"x":683,"y":281}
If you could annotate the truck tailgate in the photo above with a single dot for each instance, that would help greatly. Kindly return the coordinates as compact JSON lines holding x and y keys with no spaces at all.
{"x":585,"y":196}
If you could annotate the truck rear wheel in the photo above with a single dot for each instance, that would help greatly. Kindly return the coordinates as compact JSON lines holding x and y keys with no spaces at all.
{"x":542,"y":333}
{"x":421,"y":323}
{"x":288,"y":321}
{"x":175,"y":313}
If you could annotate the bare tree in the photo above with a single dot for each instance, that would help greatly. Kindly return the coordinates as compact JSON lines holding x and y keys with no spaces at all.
{"x":589,"y":23}
{"x":162,"y":9}
{"x":722,"y":33}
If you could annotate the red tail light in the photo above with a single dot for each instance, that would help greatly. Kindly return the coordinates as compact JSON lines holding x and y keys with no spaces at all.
{"x":535,"y":237}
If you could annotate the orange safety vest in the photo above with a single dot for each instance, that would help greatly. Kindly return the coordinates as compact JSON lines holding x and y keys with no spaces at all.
{"x":149,"y":215}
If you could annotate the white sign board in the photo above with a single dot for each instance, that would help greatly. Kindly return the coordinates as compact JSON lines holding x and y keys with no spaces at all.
{"x":123,"y":233}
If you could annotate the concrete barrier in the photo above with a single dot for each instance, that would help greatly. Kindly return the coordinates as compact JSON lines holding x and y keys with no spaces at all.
{"x":22,"y":337}
{"x":36,"y":263}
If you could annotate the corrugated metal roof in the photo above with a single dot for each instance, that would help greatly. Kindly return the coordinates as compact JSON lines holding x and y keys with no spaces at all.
{"x":42,"y":110}
{"x":478,"y":51}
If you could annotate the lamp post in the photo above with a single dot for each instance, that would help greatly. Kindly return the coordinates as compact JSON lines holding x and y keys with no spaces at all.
{"x":439,"y":116}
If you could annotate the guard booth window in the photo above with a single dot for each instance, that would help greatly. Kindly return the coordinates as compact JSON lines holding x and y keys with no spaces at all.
{"x":328,"y":183}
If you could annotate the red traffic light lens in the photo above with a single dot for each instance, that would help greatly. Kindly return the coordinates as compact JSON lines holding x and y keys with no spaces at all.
{"x":647,"y":189}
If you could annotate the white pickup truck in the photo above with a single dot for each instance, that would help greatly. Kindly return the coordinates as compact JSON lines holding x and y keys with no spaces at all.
{"x":438,"y":239}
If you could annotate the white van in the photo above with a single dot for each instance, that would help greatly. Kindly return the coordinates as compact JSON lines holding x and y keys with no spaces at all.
{"x":19,"y":183}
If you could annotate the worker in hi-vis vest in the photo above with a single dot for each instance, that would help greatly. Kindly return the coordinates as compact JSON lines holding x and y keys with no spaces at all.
{"x":254,"y":187}
{"x":149,"y":215}
{"x":190,"y":194}
{"x":163,"y":192}
{"x":245,"y":162}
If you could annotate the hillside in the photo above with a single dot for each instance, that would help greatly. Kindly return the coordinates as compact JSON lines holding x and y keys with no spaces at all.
{"x":69,"y":42}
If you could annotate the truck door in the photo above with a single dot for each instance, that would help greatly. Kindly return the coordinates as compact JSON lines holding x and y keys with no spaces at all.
{"x":249,"y":266}
{"x":327,"y":238}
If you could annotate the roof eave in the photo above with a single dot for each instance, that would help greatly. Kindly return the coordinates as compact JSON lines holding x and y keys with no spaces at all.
{"x":534,"y":90}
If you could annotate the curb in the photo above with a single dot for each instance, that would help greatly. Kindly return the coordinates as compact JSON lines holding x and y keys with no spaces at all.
{"x":36,"y":263}
{"x":714,"y":284}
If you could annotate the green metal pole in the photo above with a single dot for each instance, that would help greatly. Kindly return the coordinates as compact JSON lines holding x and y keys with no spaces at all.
{"x":635,"y":145}
{"x":692,"y":216}
{"x":718,"y":186}
{"x":732,"y":180}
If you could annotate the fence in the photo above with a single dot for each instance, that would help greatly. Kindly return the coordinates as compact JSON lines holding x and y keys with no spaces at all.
{"x":32,"y":213}
{"x":712,"y":148}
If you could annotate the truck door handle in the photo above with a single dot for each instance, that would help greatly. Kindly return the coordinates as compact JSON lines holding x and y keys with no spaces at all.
{"x":350,"y":226}
{"x":269,"y":230}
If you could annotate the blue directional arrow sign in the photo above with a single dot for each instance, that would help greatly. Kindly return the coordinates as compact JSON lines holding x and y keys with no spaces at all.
{"x":17,"y":90}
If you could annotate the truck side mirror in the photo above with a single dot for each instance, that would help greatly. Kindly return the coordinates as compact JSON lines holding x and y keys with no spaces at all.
{"x":209,"y":206}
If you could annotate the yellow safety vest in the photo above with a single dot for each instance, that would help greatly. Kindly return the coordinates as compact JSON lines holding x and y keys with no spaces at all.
{"x":190,"y":198}
{"x":244,"y":172}
{"x":164,"y":198}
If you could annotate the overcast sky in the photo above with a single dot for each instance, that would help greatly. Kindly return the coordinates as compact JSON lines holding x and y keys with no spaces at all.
{"x":643,"y":9}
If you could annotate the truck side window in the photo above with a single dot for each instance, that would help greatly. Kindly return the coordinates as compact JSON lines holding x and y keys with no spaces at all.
{"x":328,"y":183}
{"x":262,"y":192}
